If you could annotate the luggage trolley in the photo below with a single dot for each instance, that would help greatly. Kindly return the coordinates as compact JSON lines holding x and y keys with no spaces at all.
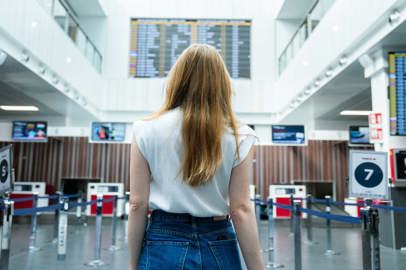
{"x":281,"y":194}
{"x":28,"y":189}
{"x":108,"y":190}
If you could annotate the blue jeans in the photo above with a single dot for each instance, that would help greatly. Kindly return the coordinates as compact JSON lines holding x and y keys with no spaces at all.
{"x":183,"y":242}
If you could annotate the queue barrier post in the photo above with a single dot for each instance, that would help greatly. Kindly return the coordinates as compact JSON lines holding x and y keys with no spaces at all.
{"x":62,"y":228}
{"x":297,"y":236}
{"x":99,"y":211}
{"x":271,"y":233}
{"x":291,"y":213}
{"x":34,"y":224}
{"x":56,"y":217}
{"x":126,"y":211}
{"x":6,"y":233}
{"x":371,"y":259}
{"x":114,"y":246}
{"x":309,"y":220}
{"x":329,"y":244}
{"x":258,"y":208}
{"x":79,"y":201}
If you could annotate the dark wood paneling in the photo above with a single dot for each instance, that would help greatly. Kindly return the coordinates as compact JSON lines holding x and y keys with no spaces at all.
{"x":323,"y":161}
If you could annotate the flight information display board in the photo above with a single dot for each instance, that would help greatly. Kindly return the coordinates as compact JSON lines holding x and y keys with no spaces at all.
{"x":156,"y":44}
{"x":397,"y":93}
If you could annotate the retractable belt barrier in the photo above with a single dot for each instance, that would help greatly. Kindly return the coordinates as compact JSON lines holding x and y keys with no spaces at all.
{"x":61,"y":209}
{"x":369,"y":222}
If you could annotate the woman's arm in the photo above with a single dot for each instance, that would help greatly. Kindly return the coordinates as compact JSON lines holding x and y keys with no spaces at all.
{"x":243,"y":214}
{"x":140,"y":178}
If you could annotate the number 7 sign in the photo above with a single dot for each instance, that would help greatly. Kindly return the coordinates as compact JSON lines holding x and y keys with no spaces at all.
{"x":368,"y":174}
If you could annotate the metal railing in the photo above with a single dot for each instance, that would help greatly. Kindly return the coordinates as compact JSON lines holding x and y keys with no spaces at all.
{"x":65,"y":18}
{"x":303,"y":32}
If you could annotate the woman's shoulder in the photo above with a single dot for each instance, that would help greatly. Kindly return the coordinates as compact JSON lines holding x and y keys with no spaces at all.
{"x":242,"y":130}
{"x":151,"y":124}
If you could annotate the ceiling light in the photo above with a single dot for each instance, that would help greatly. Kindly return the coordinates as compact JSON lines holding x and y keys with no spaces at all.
{"x":343,"y":60}
{"x":305,"y":63}
{"x":25,"y":57}
{"x":317,"y":83}
{"x":355,"y":113}
{"x":336,"y":28}
{"x":394,"y":17}
{"x":19,"y":108}
{"x":66,"y":88}
{"x":308,"y":90}
{"x":68,"y":60}
{"x":34,"y":24}
{"x":55,"y":79}
{"x":3,"y":57}
{"x":41,"y":69}
{"x":329,"y":72}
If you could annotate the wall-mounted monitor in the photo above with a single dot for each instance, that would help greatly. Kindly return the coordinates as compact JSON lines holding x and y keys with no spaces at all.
{"x":108,"y":132}
{"x":397,"y":93}
{"x":359,"y":135}
{"x":288,"y":135}
{"x":31,"y":131}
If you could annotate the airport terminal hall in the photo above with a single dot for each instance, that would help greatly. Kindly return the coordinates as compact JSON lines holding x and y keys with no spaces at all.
{"x":203,"y":134}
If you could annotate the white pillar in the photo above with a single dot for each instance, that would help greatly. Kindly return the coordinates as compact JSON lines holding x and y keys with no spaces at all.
{"x":375,"y":68}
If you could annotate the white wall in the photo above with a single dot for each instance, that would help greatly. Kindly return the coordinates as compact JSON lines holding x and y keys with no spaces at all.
{"x":128,"y":94}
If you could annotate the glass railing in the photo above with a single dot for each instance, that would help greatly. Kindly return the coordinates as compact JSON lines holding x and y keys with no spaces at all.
{"x":305,"y":29}
{"x":66,"y":20}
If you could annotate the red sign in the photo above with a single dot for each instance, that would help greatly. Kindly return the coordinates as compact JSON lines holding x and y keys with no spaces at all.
{"x":375,"y":135}
{"x":375,"y":119}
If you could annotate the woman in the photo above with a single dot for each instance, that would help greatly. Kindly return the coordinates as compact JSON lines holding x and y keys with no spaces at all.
{"x":190,"y":164}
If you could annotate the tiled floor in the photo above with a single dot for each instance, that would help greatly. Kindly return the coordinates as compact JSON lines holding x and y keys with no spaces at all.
{"x":81,"y":239}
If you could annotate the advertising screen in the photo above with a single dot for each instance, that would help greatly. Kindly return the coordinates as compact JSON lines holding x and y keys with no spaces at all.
{"x":359,"y":135}
{"x":288,"y":134}
{"x":30,"y":131}
{"x":108,"y":132}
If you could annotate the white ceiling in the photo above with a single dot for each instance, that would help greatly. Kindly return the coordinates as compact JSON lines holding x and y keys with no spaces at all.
{"x":20,"y":86}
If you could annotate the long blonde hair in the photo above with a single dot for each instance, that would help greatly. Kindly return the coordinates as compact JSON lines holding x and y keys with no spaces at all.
{"x":200,"y":85}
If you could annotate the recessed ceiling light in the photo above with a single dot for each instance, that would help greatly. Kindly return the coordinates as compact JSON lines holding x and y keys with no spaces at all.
{"x":41,"y":69}
{"x":343,"y":60}
{"x":34,"y":24}
{"x":305,"y":63}
{"x":317,"y":83}
{"x":355,"y":113}
{"x":19,"y":108}
{"x":68,"y":60}
{"x":329,"y":72}
{"x":25,"y":57}
{"x":335,"y":28}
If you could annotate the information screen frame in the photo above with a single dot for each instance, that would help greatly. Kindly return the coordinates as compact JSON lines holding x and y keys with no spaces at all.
{"x":393,"y":89}
{"x":287,"y":143}
{"x":19,"y":139}
{"x":92,"y":140}
{"x":162,"y":67}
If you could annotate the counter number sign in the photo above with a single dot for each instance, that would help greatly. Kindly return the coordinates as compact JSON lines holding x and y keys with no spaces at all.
{"x":368,"y":174}
{"x":5,"y":169}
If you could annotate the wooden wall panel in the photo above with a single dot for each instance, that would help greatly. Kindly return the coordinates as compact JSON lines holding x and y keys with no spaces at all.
{"x":74,"y":157}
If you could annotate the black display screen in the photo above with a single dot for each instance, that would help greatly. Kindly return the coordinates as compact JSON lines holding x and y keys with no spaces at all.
{"x":400,"y":165}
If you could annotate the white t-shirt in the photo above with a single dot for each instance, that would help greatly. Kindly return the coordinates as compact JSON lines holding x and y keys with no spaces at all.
{"x":160,"y":142}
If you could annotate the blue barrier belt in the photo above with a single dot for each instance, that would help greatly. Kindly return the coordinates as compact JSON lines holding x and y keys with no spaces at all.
{"x":72,"y":196}
{"x":25,"y":199}
{"x":283,"y":206}
{"x":390,"y":208}
{"x":30,"y":211}
{"x":346,"y":219}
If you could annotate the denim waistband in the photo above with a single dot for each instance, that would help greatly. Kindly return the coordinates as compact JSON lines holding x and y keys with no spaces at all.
{"x":162,"y":216}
